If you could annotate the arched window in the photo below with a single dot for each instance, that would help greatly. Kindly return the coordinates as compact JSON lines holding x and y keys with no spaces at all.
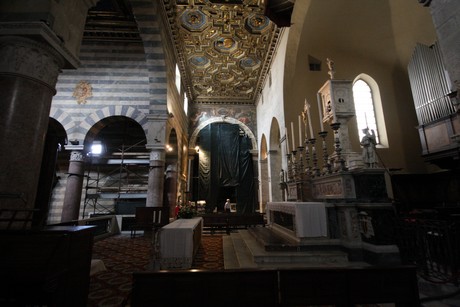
{"x":178,"y":77}
{"x":368,"y":108}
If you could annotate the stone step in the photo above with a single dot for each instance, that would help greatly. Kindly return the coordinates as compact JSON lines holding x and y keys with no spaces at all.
{"x":313,"y":257}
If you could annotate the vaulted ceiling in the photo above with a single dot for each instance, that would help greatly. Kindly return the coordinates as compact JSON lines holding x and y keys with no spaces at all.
{"x":225,"y":47}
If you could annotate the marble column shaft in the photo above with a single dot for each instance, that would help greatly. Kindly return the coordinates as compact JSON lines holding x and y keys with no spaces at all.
{"x":156,"y":178}
{"x":28,"y":75}
{"x":73,"y":191}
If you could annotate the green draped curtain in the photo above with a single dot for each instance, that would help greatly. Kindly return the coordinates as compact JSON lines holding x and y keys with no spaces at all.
{"x":225,"y":163}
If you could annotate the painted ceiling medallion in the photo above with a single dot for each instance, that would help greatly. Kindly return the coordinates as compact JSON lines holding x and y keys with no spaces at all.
{"x":257,"y":23}
{"x":250,"y":63}
{"x":224,"y":77}
{"x":245,"y":88}
{"x":225,"y":44}
{"x":83,"y":90}
{"x":194,"y":20}
{"x":200,"y":61}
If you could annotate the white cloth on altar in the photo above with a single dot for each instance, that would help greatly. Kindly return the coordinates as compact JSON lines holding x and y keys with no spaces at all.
{"x":310,"y":218}
{"x":176,"y":243}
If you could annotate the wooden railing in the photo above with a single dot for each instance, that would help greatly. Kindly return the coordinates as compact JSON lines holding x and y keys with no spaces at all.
{"x":230,"y":221}
{"x":433,"y":246}
{"x":105,"y":225}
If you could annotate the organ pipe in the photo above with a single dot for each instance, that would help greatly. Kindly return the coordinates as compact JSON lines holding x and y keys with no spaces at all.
{"x":430,"y":84}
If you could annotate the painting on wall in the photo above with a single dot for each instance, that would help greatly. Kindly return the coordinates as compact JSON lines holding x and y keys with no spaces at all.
{"x":245,"y":114}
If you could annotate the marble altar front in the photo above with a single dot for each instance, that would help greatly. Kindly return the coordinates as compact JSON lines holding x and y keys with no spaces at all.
{"x":299,"y":220}
{"x":179,"y":242}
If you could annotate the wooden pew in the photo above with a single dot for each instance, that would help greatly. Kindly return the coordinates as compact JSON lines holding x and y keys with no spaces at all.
{"x":205,"y":288}
{"x":349,"y":286}
{"x":278,"y":287}
{"x":230,"y":221}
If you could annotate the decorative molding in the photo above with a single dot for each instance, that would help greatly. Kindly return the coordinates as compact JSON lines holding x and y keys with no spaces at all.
{"x":425,"y":2}
{"x":40,"y":32}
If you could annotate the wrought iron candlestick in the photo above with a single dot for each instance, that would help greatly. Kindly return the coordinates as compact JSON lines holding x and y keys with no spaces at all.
{"x":326,"y":164}
{"x":315,"y":172}
{"x":339,"y":160}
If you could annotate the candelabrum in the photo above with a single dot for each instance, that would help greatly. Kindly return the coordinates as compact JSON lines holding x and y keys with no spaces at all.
{"x":300,"y":172}
{"x":293,"y":165}
{"x":307,"y":159}
{"x":289,"y":167}
{"x":326,"y":164}
{"x":315,"y":172}
{"x":339,"y":160}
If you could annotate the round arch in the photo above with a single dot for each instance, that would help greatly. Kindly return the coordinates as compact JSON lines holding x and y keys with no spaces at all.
{"x":229,"y":120}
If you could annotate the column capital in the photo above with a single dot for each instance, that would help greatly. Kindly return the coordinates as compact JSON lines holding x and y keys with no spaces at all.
{"x":76,"y":156}
{"x":157,"y":154}
{"x":29,"y":58}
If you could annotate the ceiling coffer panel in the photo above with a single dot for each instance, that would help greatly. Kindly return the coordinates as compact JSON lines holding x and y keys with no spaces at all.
{"x":224,"y":47}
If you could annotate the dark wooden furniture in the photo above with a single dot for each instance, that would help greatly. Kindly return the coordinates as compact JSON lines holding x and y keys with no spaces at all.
{"x":48,"y":267}
{"x":278,"y":287}
{"x":205,"y":288}
{"x":149,"y":219}
{"x":230,"y":221}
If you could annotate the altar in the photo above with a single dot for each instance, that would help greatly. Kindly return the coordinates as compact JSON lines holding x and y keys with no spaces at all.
{"x":179,"y":242}
{"x":299,"y":220}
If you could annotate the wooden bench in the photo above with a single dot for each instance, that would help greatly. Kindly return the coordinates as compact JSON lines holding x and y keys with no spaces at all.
{"x":230,"y":221}
{"x":205,"y":288}
{"x":349,"y":286}
{"x":278,"y":287}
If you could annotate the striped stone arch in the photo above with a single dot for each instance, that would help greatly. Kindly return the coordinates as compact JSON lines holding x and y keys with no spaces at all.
{"x":66,"y":121}
{"x":229,"y":120}
{"x":126,"y":111}
{"x":148,"y":22}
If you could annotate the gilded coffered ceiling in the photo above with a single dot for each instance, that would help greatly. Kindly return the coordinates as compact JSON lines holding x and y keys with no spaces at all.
{"x":224,"y":47}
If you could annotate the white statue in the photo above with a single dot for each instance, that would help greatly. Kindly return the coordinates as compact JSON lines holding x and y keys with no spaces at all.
{"x":369,"y":142}
{"x":330,"y":65}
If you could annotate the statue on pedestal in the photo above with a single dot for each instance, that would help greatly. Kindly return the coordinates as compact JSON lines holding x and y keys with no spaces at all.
{"x":369,"y":142}
{"x":330,"y":65}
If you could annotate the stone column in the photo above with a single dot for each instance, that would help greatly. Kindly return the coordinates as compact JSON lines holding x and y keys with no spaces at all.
{"x":274,"y":168}
{"x":156,"y":176}
{"x":73,"y":191}
{"x":171,"y":188}
{"x":264,"y":190}
{"x":28,"y":75}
